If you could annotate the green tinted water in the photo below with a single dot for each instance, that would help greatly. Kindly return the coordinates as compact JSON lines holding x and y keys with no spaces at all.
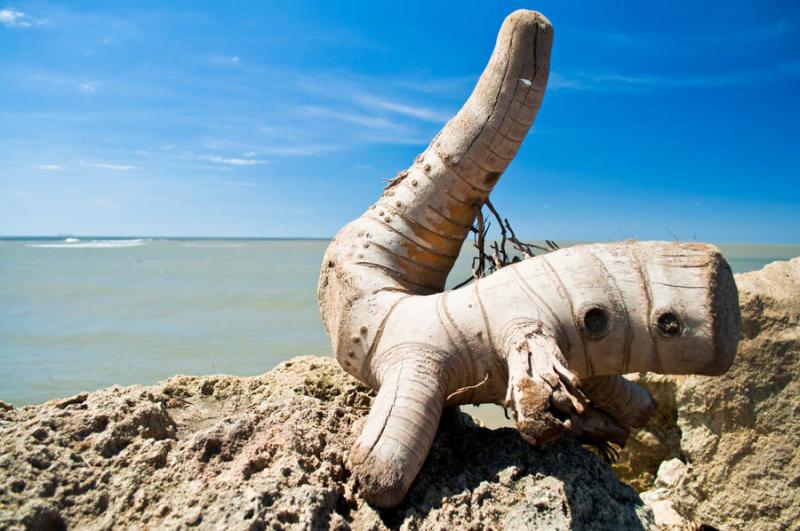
{"x":86,"y":314}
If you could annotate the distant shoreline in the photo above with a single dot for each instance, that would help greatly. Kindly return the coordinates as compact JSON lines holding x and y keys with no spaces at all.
{"x":156,"y":238}
{"x":302,"y":238}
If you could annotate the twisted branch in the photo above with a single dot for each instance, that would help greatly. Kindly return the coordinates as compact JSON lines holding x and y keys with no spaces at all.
{"x":484,"y":264}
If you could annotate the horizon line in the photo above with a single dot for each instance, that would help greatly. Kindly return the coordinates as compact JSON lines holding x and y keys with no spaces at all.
{"x":328,"y":238}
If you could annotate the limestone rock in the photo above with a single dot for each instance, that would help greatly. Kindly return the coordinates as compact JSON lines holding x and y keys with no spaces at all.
{"x":271,"y":451}
{"x":664,"y":513}
{"x":659,"y":441}
{"x":741,"y":431}
{"x":660,"y":499}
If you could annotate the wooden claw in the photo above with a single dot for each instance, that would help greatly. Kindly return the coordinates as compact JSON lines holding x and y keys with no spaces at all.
{"x":595,"y":426}
{"x":535,"y":420}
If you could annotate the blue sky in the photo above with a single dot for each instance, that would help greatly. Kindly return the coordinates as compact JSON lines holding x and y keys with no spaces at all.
{"x":284,"y":118}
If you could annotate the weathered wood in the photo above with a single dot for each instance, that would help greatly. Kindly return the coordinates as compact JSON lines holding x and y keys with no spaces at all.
{"x":527,"y":335}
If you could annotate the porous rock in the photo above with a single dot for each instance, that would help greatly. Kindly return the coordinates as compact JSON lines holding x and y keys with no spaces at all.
{"x":271,"y":452}
{"x":659,"y":440}
{"x":741,"y":431}
{"x":737,"y":436}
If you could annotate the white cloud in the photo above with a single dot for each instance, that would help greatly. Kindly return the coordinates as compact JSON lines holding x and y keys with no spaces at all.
{"x":88,"y":86}
{"x":355,"y":91}
{"x":444,"y":85}
{"x":662,"y":42}
{"x":232,"y":161}
{"x":223,"y":60}
{"x":14,"y":19}
{"x":49,"y":167}
{"x":107,"y":166}
{"x":413,"y":111}
{"x":365,"y":120}
{"x":301,"y":149}
{"x":557,"y":81}
{"x":613,"y":82}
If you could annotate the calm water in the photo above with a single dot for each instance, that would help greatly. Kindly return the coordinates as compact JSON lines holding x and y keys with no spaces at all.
{"x":80,"y":315}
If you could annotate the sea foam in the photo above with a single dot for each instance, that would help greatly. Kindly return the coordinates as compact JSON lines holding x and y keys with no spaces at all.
{"x":75,"y":243}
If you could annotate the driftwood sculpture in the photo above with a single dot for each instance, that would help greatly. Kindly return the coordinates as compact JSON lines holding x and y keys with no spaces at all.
{"x":547,"y":337}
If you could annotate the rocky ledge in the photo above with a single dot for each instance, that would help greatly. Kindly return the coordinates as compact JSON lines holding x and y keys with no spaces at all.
{"x":725,"y":449}
{"x":271,"y":452}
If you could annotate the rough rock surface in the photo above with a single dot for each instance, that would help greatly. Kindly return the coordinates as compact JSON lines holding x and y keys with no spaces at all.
{"x":659,"y":441}
{"x":741,"y":431}
{"x":736,"y":437}
{"x":271,"y":452}
{"x":660,"y":499}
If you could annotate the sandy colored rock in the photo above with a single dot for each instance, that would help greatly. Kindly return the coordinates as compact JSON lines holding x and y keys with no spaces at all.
{"x":741,"y":431}
{"x":738,"y":434}
{"x":659,"y":440}
{"x":270,"y":452}
{"x":660,"y":498}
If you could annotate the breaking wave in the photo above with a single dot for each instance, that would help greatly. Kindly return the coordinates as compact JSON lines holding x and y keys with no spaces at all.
{"x":75,"y":243}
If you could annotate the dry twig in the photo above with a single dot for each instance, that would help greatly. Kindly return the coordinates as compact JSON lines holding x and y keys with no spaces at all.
{"x":484,"y":264}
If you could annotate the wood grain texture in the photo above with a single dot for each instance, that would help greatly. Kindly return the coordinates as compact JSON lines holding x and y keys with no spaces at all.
{"x":546,"y":337}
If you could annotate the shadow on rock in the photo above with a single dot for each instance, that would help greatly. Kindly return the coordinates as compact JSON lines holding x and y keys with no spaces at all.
{"x":473,"y":473}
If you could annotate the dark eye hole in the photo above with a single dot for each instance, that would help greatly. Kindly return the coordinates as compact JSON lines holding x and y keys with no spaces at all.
{"x":668,"y":325}
{"x":596,"y":322}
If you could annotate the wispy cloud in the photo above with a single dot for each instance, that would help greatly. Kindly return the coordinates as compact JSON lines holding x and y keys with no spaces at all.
{"x":717,"y":39}
{"x":353,"y":117}
{"x":15,"y":19}
{"x":414,"y":111}
{"x":57,"y":79}
{"x":305,"y":149}
{"x":354,"y":90}
{"x":614,"y":82}
{"x":384,"y":109}
{"x":439,"y":85}
{"x":224,"y":60}
{"x":49,"y":167}
{"x":107,"y":166}
{"x":686,"y":57}
{"x":232,"y":161}
{"x":277,"y":141}
{"x":88,"y":86}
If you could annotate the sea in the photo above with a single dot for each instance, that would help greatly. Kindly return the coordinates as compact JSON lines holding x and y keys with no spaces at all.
{"x":82,"y":313}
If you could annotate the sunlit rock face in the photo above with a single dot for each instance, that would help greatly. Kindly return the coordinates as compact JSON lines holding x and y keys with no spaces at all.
{"x":271,"y":451}
{"x":737,"y":434}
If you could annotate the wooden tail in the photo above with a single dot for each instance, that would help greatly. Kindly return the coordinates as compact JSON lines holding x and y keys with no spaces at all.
{"x":399,"y":430}
{"x":418,"y":225}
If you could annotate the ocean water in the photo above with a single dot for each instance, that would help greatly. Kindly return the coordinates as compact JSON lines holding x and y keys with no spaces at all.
{"x":81,"y":314}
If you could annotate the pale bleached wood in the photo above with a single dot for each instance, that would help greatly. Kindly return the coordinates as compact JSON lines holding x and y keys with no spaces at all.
{"x":526,"y":336}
